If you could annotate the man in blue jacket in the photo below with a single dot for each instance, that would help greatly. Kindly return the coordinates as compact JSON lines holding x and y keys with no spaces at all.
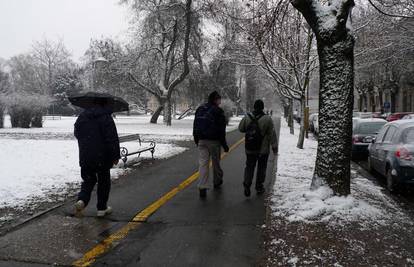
{"x":210,"y":135}
{"x":98,"y":152}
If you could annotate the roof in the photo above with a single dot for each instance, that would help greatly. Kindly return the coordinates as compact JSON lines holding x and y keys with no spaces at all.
{"x":402,"y":123}
{"x":371,"y":120}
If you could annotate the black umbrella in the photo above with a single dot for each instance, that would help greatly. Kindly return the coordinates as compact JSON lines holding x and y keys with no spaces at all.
{"x":92,"y":99}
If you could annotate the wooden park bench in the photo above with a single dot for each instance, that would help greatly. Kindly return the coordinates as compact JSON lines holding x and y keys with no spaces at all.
{"x":140,"y":149}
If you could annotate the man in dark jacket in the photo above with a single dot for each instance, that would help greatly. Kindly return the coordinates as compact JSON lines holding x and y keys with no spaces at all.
{"x":260,"y":155}
{"x":98,"y":152}
{"x":210,"y":135}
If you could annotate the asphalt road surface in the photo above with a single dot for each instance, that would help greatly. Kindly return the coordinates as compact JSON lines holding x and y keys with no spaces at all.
{"x":158,"y":220}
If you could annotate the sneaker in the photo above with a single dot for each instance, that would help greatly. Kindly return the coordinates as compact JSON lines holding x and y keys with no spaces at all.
{"x":102,"y":213}
{"x":79,"y":205}
{"x":203,"y":193}
{"x":247,"y":191}
{"x":260,"y":190}
{"x":218,"y":185}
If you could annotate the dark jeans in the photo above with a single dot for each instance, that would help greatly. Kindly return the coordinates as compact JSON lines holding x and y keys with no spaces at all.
{"x":90,"y":177}
{"x":251,"y":161}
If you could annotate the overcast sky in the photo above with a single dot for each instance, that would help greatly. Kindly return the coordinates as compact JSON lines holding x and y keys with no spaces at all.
{"x":73,"y":21}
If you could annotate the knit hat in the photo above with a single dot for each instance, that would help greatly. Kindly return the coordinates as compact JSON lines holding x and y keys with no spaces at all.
{"x":213,"y":97}
{"x":258,"y":105}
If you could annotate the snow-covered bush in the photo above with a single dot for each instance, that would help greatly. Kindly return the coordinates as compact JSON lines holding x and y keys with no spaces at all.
{"x":227,"y":105}
{"x":27,"y":110}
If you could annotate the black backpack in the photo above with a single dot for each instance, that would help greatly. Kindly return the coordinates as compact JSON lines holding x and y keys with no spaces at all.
{"x":254,"y":137}
{"x":204,"y":122}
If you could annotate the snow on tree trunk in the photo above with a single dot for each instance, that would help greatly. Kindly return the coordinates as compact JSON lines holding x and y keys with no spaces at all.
{"x":301,"y":138}
{"x":335,"y":114}
{"x":330,"y":23}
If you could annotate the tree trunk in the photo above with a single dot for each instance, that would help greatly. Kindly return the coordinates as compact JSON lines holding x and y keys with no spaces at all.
{"x":1,"y":116}
{"x":157,"y":113}
{"x":336,"y":95}
{"x":291,"y":122}
{"x":301,"y":138}
{"x":168,"y":112}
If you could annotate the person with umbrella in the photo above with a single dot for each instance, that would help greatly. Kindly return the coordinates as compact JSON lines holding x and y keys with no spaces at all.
{"x":98,"y":143}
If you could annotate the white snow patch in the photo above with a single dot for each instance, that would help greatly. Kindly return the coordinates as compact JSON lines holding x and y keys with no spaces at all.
{"x":34,"y":169}
{"x":294,"y":200}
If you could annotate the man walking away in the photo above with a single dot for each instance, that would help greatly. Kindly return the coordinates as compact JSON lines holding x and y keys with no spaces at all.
{"x":210,"y":135}
{"x":98,"y":152}
{"x":260,"y":136}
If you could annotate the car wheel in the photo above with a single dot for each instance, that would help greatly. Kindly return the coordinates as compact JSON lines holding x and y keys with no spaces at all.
{"x":390,"y":182}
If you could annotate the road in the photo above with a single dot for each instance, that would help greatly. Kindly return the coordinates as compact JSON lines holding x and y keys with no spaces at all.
{"x":158,"y":220}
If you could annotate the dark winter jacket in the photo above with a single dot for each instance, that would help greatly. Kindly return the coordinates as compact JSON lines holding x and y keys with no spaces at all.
{"x":219,"y":133}
{"x":97,"y":138}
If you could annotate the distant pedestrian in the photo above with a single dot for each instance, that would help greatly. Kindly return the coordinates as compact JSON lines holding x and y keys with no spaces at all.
{"x":260,"y":137}
{"x":210,"y":135}
{"x":98,"y":152}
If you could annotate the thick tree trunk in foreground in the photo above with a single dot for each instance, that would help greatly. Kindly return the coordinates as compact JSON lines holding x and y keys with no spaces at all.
{"x":336,"y":61}
{"x":329,"y":22}
{"x":301,"y":138}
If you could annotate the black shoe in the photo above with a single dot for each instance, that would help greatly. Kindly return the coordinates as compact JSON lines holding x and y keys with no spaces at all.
{"x":260,"y":190}
{"x":218,"y":185}
{"x":203,"y":193}
{"x":247,"y":191}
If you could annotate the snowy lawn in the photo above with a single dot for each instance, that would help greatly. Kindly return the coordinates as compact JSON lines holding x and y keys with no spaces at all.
{"x":63,"y":128}
{"x":316,"y":228}
{"x":36,"y":169}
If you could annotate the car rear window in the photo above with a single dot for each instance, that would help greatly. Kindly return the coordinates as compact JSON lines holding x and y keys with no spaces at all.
{"x":408,"y":136}
{"x":369,"y":127}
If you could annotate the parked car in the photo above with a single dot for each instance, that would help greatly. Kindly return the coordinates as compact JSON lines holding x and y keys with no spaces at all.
{"x":312,"y":118}
{"x":397,"y":116}
{"x":362,"y":115}
{"x":408,"y":117}
{"x":363,"y":132}
{"x":392,"y":153}
{"x":316,"y":124}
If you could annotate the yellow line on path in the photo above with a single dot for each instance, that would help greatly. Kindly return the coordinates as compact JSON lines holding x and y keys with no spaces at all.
{"x":111,"y":241}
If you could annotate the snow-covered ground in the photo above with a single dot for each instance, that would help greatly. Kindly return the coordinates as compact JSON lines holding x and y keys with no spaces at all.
{"x":294,"y":200}
{"x":315,"y":228}
{"x":34,"y":169}
{"x":39,"y":162}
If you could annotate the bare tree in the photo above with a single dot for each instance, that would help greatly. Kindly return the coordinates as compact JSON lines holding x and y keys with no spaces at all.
{"x":330,"y":22}
{"x":163,"y":51}
{"x":285,"y":43}
{"x":51,"y":59}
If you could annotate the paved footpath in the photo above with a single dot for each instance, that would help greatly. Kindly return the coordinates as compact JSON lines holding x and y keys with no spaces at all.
{"x":158,"y":220}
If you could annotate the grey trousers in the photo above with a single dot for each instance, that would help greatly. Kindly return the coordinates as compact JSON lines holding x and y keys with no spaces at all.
{"x":209,"y":149}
